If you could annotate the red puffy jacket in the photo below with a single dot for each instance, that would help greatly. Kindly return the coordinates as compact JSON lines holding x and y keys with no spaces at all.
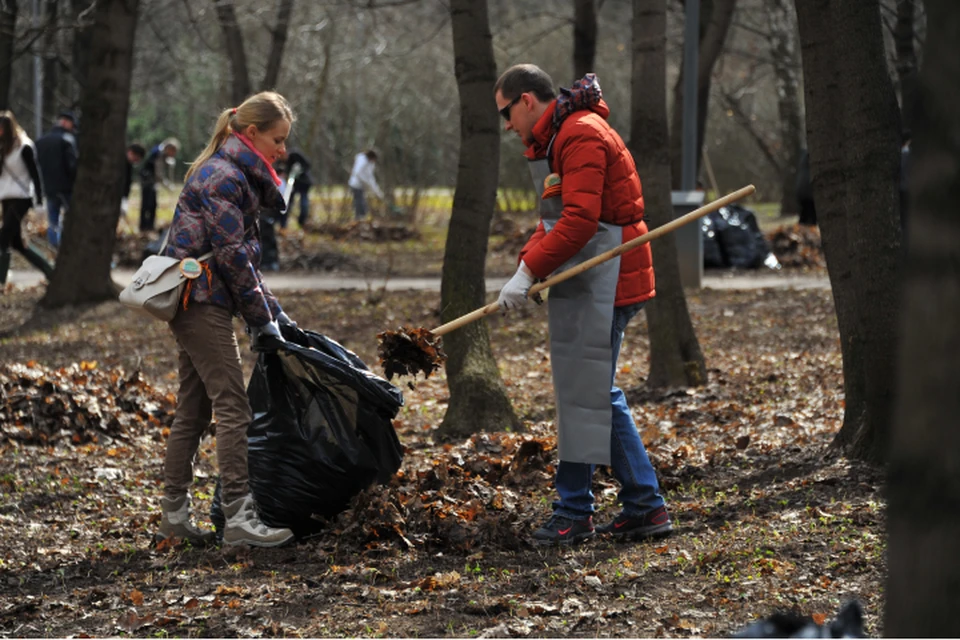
{"x":599,"y":182}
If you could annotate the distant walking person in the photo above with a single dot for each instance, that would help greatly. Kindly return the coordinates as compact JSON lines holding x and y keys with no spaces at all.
{"x":150,"y":174}
{"x":298,"y":167}
{"x":362,"y":176}
{"x":20,"y":188}
{"x":808,"y":211}
{"x":135,"y":155}
{"x":57,"y":157}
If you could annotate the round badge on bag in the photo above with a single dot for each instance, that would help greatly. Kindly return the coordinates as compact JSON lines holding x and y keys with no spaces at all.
{"x":191,"y":268}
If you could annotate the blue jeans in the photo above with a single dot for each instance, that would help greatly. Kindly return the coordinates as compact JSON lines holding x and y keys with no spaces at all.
{"x":56,"y":203}
{"x":639,"y":490}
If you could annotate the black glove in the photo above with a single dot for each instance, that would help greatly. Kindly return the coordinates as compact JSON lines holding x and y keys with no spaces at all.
{"x":266,"y":338}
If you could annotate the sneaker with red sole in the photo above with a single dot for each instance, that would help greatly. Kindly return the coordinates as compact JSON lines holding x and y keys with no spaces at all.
{"x":563,"y":530}
{"x":652,"y":524}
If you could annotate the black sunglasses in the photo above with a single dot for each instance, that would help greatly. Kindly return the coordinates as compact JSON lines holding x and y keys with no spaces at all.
{"x":505,"y":112}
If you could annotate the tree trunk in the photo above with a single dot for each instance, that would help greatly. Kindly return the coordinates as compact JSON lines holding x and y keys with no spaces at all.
{"x":478,"y":399}
{"x":233,"y":43}
{"x":278,"y":40}
{"x":715,"y":17}
{"x":853,"y":132}
{"x":82,"y":43}
{"x":786,"y":66}
{"x":82,"y":272}
{"x":8,"y":34}
{"x":584,"y":37}
{"x":906,"y":61}
{"x":923,"y":583}
{"x":316,"y":113}
{"x":675,"y":356}
{"x":51,"y":61}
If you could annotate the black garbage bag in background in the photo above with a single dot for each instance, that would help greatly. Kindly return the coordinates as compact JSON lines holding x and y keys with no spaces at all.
{"x":322,"y":431}
{"x":732,"y":238}
{"x":711,"y":225}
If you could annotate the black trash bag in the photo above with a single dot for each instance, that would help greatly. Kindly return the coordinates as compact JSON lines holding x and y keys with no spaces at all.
{"x":710,"y":227}
{"x":847,"y":624}
{"x":740,"y":240}
{"x":322,"y":432}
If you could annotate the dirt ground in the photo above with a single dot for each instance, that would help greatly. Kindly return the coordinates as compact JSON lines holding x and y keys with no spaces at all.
{"x":767,"y":517}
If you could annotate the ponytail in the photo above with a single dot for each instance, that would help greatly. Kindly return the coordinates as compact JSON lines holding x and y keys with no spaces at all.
{"x":225,"y":125}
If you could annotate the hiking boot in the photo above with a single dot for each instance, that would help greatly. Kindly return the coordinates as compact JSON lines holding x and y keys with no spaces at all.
{"x":652,"y":524}
{"x":563,"y":530}
{"x":175,"y":523}
{"x":245,"y":527}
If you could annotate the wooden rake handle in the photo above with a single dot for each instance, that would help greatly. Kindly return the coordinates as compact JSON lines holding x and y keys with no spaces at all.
{"x":603,"y":257}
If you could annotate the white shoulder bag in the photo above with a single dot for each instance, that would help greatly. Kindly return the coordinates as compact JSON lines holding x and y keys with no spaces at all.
{"x":158,"y":284}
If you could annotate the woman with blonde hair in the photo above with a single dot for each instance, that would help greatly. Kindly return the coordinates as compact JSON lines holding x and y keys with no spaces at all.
{"x":20,"y":189}
{"x":227,"y":188}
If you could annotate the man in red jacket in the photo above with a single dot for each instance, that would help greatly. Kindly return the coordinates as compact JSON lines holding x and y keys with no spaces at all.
{"x":590,"y":202}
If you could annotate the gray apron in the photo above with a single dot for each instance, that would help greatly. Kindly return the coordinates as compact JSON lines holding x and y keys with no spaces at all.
{"x":581,"y":316}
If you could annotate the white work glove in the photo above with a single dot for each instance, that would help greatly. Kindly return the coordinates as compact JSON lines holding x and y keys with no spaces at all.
{"x":284,"y":320}
{"x":513,"y":295}
{"x":124,"y":206}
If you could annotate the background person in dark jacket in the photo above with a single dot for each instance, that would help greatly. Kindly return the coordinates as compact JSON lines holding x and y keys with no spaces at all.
{"x":808,"y":212}
{"x":135,"y":154}
{"x":150,"y":174}
{"x":301,"y":187}
{"x":57,"y":157}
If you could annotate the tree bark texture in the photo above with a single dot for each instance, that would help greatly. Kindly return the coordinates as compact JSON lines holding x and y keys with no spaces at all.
{"x":715,"y":17}
{"x":906,"y":60}
{"x":786,"y":68}
{"x":82,"y":272}
{"x":675,"y":355}
{"x":853,"y":134}
{"x":478,"y":399}
{"x":51,"y":61}
{"x":233,"y":44}
{"x":278,"y":40}
{"x":584,"y":37}
{"x":923,"y":580}
{"x":8,"y":31}
{"x":82,"y":42}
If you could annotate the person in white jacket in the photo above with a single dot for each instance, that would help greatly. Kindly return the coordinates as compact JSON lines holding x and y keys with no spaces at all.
{"x":360,"y":177}
{"x":20,"y":189}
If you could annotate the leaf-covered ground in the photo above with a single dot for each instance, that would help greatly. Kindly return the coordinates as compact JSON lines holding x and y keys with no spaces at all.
{"x":767,"y":517}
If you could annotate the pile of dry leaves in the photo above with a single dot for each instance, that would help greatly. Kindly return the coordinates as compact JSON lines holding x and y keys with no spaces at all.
{"x":80,"y":403}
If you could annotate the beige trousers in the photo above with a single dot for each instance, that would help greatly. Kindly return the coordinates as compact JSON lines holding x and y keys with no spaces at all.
{"x":211,"y":380}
